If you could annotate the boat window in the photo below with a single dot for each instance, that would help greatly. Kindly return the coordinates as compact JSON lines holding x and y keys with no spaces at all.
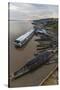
{"x":17,"y":41}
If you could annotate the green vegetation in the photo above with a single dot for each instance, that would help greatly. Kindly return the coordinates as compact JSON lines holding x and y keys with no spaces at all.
{"x":53,"y":25}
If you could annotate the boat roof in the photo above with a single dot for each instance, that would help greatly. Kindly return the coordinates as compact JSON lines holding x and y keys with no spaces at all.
{"x":21,"y":38}
{"x":41,"y":31}
{"x":40,"y":58}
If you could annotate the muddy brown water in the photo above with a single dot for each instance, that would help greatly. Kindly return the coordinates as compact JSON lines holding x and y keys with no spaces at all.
{"x":19,"y":56}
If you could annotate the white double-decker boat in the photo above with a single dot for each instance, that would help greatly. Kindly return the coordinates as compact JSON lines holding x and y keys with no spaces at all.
{"x":24,"y":38}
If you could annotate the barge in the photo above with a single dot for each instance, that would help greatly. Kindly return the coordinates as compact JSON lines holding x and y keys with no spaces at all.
{"x":23,"y":39}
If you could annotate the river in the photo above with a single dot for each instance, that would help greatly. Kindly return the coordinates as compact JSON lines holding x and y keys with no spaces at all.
{"x":19,"y":56}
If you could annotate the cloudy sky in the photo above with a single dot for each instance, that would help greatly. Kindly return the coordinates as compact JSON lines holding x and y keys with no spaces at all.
{"x":22,"y":11}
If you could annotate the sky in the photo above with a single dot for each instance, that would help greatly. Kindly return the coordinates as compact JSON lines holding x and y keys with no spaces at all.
{"x":25,"y":11}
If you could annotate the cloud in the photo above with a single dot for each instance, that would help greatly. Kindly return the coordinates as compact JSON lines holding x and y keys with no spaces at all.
{"x":13,"y":7}
{"x":19,"y":11}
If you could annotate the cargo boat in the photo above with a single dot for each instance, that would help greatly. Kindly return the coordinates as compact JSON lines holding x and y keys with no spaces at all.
{"x":34,"y":63}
